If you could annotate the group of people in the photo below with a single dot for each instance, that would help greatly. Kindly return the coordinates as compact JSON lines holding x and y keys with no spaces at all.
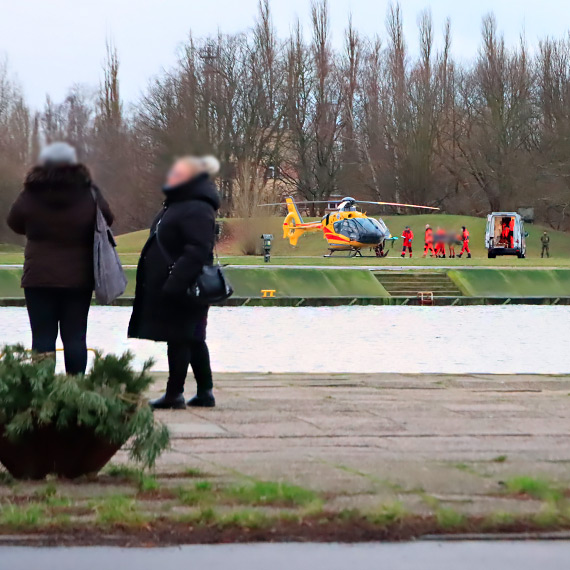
{"x":508,"y":232}
{"x":56,"y":211}
{"x":435,"y":243}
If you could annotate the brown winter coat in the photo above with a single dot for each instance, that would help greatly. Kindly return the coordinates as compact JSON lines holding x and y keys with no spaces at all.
{"x":56,"y":213}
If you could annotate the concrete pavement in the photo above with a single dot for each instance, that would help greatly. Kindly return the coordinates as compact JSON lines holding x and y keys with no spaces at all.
{"x":419,"y":453}
{"x":365,"y":439}
{"x":424,"y":555}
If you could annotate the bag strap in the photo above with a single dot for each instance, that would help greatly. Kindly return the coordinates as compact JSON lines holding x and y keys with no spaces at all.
{"x":217,"y":237}
{"x":161,"y":247}
{"x":95,"y":194}
{"x":98,"y":212}
{"x":95,"y":199}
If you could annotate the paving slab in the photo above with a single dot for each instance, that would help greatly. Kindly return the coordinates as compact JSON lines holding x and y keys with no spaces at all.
{"x":365,"y":438}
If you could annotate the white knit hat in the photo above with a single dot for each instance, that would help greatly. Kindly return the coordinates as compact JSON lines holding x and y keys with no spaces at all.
{"x":58,"y":153}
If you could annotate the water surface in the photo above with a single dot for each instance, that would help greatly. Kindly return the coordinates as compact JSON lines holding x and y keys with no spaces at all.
{"x":485,"y":339}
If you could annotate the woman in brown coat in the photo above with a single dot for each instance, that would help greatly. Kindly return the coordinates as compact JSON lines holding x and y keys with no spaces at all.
{"x":56,"y":212}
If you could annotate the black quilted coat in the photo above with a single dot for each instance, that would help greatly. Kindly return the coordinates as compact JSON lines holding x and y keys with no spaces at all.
{"x":186,"y":229}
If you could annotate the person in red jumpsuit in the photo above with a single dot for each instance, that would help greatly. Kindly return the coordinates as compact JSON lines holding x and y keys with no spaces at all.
{"x":429,"y":242}
{"x":505,"y":231}
{"x":465,"y":240}
{"x":512,"y":233}
{"x":440,"y":242}
{"x":408,"y":237}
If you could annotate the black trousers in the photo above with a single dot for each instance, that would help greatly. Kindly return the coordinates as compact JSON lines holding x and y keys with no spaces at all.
{"x":181,"y":355}
{"x":60,"y":310}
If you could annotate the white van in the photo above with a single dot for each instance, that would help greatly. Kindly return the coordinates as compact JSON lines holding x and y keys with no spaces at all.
{"x":505,"y":235}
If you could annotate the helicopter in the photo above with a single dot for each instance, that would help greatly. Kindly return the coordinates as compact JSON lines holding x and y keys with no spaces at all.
{"x":346,"y":229}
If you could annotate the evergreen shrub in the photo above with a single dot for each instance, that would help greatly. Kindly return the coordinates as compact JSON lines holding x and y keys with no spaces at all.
{"x":106,"y":406}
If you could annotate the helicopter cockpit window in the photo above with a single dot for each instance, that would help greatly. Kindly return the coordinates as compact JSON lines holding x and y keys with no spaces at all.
{"x":347,"y":228}
{"x":370,"y":225}
{"x":358,"y":229}
{"x":380,"y":225}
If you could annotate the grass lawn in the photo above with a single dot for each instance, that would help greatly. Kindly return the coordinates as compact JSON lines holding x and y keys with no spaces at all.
{"x":6,"y":248}
{"x":143,"y":509}
{"x":312,"y":247}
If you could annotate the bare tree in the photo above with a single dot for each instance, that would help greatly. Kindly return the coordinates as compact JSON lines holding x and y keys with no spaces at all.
{"x":312,"y":155}
{"x":349,"y":71}
{"x":553,"y":145}
{"x":495,"y":129}
{"x":15,"y":127}
{"x":113,"y":157}
{"x":259,"y":117}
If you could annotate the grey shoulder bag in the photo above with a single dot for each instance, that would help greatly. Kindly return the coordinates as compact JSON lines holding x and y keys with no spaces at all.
{"x":110,"y":279}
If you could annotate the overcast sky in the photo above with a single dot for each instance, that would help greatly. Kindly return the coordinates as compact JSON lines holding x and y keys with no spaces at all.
{"x":52,"y":44}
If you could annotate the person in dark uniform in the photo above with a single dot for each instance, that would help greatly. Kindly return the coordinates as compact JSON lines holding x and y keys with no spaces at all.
{"x":545,"y":240}
{"x":180,"y":244}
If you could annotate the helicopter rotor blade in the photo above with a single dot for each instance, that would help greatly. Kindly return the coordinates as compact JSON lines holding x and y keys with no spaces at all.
{"x":297,"y":202}
{"x":355,"y":201}
{"x":400,"y":205}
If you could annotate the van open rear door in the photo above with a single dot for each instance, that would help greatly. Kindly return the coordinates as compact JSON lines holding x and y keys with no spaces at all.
{"x":489,"y":233}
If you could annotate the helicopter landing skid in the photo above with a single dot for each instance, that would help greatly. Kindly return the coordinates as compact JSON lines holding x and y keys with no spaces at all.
{"x":351,"y":253}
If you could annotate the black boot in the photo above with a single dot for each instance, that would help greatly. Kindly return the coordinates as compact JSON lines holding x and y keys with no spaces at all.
{"x":468,"y":256}
{"x":169,"y":402}
{"x":203,"y":399}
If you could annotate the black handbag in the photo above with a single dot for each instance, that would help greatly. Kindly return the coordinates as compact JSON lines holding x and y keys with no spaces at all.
{"x":212,"y":285}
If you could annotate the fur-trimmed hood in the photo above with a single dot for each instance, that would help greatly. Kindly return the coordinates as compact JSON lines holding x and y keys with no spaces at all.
{"x":59,"y":185}
{"x":200,"y":188}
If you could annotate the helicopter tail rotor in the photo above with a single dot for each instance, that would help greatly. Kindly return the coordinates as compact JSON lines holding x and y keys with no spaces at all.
{"x":291,"y":231}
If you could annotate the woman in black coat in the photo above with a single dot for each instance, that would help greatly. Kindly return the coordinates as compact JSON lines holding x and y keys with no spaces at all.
{"x":56,"y":212}
{"x":181,"y":242}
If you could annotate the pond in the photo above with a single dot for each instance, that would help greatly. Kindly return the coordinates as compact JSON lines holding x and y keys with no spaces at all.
{"x":479,"y":339}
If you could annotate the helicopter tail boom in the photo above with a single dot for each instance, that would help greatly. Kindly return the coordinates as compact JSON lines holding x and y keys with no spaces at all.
{"x":293,"y":225}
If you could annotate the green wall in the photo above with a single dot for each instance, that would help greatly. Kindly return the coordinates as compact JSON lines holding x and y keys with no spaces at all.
{"x":296,"y":282}
{"x":307,"y":283}
{"x":330,"y":283}
{"x":248,"y":282}
{"x":512,"y":282}
{"x":10,"y":284}
{"x":131,"y":276}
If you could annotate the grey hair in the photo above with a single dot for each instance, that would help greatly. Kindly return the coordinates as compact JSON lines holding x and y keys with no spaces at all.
{"x":58,"y":153}
{"x":203,"y":164}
